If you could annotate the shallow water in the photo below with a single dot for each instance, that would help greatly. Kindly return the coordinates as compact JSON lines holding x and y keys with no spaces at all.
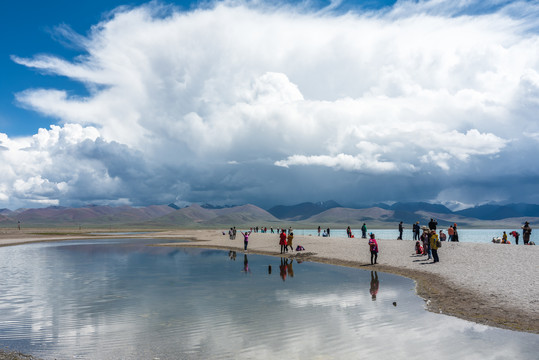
{"x":120,"y":299}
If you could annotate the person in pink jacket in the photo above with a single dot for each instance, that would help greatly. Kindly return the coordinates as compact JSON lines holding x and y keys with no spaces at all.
{"x":373,"y":246}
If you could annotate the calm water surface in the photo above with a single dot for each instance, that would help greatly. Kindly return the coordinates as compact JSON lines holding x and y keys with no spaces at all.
{"x":120,"y":299}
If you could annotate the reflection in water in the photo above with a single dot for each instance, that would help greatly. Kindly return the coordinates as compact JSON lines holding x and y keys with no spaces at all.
{"x":246,"y":264}
{"x":290,"y":269}
{"x":374,"y":285}
{"x":283,"y":268}
{"x":98,"y":301}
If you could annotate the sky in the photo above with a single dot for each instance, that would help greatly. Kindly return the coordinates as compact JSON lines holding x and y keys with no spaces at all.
{"x":264,"y":102}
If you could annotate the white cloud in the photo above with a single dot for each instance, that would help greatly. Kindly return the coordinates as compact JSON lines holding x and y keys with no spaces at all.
{"x":340,"y":161}
{"x":398,"y":91}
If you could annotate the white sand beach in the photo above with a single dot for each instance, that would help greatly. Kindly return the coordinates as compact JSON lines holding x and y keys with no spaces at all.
{"x":493,"y":284}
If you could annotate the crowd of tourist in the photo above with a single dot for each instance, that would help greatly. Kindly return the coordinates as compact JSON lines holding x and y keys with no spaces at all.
{"x":427,"y":238}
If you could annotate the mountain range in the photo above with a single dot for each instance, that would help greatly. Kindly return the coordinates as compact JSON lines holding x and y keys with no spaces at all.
{"x":327,"y":213}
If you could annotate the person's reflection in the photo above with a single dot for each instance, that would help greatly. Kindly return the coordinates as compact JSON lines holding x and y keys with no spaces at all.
{"x":269,"y":269}
{"x":283,"y":268}
{"x":232,"y":255}
{"x":374,"y":284}
{"x":290,"y":269}
{"x":246,"y":264}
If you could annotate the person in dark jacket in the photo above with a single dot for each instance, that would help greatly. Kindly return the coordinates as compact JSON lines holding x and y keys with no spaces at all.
{"x":432,"y":224}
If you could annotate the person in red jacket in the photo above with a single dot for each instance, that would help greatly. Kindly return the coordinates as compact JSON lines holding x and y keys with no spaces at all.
{"x":282,"y":241}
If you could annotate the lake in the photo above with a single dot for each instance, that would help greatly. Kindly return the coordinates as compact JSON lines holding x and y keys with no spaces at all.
{"x":121,"y":299}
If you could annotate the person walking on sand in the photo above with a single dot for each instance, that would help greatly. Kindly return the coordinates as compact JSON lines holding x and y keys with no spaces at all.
{"x":364,"y":231}
{"x":245,"y":239}
{"x":373,"y":246}
{"x":401,"y":229}
{"x":289,"y":241}
{"x":434,"y":246}
{"x":526,"y":232}
{"x":282,"y":241}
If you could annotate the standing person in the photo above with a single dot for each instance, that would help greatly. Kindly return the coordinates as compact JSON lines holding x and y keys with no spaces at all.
{"x":425,"y":238}
{"x":318,"y":230}
{"x":455,"y":233}
{"x":245,"y":239}
{"x":416,"y":230}
{"x":450,"y":232}
{"x":230,"y":234}
{"x":282,"y":241}
{"x":401,"y":228}
{"x":434,"y":246}
{"x":526,"y":232}
{"x":504,"y":238}
{"x":328,"y":233}
{"x":373,"y":246}
{"x":349,"y":232}
{"x":432,"y":224}
{"x":364,"y":231}
{"x":234,"y":233}
{"x":289,"y":241}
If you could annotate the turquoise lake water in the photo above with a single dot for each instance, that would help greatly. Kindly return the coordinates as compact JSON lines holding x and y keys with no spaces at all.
{"x":121,"y":299}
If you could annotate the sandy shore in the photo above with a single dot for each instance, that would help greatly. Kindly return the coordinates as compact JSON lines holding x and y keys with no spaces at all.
{"x":492,"y":284}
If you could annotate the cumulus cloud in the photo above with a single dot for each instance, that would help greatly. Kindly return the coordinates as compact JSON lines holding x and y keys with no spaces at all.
{"x":242,"y":101}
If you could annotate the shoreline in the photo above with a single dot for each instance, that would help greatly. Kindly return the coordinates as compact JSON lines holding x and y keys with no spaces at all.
{"x":490,"y":284}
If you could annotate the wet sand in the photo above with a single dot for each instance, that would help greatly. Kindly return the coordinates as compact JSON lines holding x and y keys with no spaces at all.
{"x":492,"y":284}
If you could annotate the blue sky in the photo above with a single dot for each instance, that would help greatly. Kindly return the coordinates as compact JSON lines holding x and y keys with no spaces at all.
{"x":29,"y":28}
{"x":247,"y":101}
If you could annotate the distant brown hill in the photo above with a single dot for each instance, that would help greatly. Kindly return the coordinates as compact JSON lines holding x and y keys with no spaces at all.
{"x":196,"y":215}
{"x":245,"y":215}
{"x":62,"y":216}
{"x":351,"y":216}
